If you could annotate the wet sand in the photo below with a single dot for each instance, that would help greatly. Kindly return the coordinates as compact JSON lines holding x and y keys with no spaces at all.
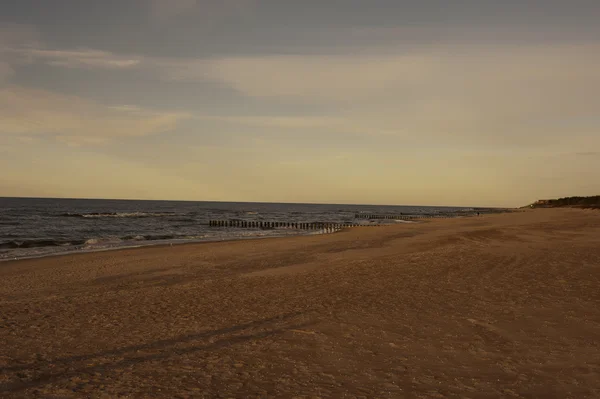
{"x":484,"y":307}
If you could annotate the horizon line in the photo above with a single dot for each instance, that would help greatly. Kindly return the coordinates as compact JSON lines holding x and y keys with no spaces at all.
{"x":251,"y":202}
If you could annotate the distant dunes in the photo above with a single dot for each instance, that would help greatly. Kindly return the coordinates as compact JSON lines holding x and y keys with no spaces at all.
{"x":574,"y":202}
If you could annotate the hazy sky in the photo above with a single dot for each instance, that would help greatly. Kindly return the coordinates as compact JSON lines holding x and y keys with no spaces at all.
{"x":463,"y":102}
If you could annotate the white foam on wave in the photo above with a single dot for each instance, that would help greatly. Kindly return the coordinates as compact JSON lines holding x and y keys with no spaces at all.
{"x":125,"y":215}
{"x":97,"y":241}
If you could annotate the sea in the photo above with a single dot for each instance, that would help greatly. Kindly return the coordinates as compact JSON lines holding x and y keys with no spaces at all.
{"x":36,"y":227}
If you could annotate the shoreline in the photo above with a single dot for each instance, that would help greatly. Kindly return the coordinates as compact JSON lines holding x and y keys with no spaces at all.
{"x":130,"y":247}
{"x":150,"y":244}
{"x":200,"y":241}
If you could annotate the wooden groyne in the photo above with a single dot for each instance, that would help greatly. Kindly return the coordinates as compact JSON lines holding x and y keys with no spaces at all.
{"x":250,"y":224}
{"x":400,"y":217}
{"x":371,"y":216}
{"x":256,"y":224}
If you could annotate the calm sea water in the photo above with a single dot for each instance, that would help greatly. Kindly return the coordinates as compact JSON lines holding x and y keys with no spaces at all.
{"x":32,"y":227}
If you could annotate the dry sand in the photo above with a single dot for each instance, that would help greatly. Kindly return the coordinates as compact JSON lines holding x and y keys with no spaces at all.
{"x":488,"y":307}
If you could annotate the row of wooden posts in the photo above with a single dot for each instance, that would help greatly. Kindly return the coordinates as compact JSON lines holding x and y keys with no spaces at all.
{"x":275,"y":225}
{"x":368,"y":216}
{"x":399,"y":217}
{"x":315,"y":225}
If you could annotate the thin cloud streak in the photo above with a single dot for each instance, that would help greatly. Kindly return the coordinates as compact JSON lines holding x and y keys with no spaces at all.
{"x":76,"y":121}
{"x":333,"y":125}
{"x":78,"y":58}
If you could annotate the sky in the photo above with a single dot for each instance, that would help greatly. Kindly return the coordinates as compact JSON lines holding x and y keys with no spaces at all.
{"x":431,"y":102}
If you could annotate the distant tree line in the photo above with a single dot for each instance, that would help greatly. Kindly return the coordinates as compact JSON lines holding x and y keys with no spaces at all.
{"x":580,"y":202}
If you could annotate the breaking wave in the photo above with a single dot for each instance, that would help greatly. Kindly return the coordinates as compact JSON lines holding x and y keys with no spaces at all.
{"x":14,"y":244}
{"x":119,"y":214}
{"x":93,"y":242}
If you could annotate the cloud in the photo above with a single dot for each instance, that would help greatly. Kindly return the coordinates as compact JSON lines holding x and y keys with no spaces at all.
{"x":295,"y":123}
{"x":74,"y":120}
{"x":6,"y":72}
{"x":470,"y":95}
{"x":79,"y":58}
{"x":20,"y":44}
{"x":314,"y":77}
{"x":508,"y":95}
{"x":161,"y":10}
{"x":21,"y":35}
{"x":204,"y":11}
{"x":12,"y":36}
{"x":336,"y":77}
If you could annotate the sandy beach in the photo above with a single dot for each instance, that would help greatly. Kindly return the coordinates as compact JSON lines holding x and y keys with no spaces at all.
{"x":484,"y":307}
